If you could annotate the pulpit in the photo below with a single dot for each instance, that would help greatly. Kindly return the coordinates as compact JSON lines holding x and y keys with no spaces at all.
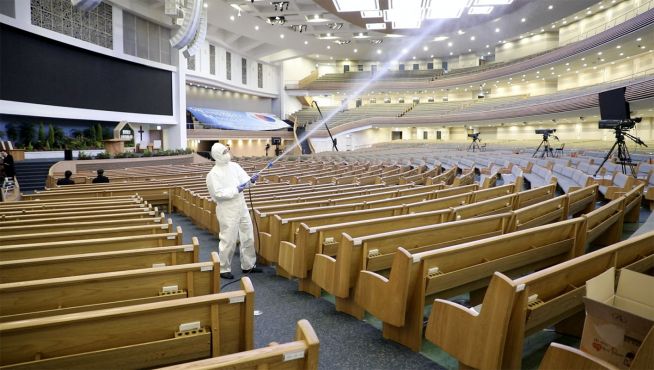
{"x":114,"y":146}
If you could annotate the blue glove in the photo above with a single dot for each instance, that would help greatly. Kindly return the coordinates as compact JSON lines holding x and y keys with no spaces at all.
{"x":254,"y":178}
{"x":242,"y":186}
{"x":269,"y":164}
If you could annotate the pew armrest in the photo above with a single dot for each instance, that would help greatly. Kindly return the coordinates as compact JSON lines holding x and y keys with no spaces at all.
{"x":559,"y":356}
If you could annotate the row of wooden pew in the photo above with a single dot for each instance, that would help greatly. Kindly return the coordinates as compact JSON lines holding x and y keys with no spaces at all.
{"x":77,"y":294}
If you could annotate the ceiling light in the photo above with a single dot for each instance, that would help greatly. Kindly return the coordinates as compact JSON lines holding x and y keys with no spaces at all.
{"x":451,"y":53}
{"x":589,"y":12}
{"x":327,"y":36}
{"x":256,"y":28}
{"x":329,"y":47}
{"x":361,"y":35}
{"x":425,"y":48}
{"x":414,"y":58}
{"x":404,"y":51}
{"x":379,"y":51}
{"x":431,"y":56}
{"x":231,"y":18}
{"x":372,"y":14}
{"x":449,"y":44}
{"x":281,"y":36}
{"x":376,"y":26}
{"x":480,"y":10}
{"x":493,"y":2}
{"x":599,"y":53}
{"x":497,"y":30}
{"x":316,"y":18}
{"x":306,"y":42}
{"x":460,"y":32}
{"x":621,"y":54}
{"x":523,"y":20}
{"x":550,"y":7}
{"x":639,"y":39}
{"x":472,"y":38}
{"x":487,"y":46}
{"x":440,"y":38}
{"x":444,"y":9}
{"x":406,"y":24}
{"x":376,"y":41}
{"x":356,"y":50}
{"x":393,"y":35}
{"x":356,"y":5}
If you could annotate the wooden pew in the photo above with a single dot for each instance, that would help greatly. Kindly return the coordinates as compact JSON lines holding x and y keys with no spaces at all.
{"x":288,"y":224}
{"x":134,"y":337}
{"x":633,"y":198}
{"x":582,"y":200}
{"x":552,"y":210}
{"x":57,"y":296}
{"x":301,"y":354}
{"x":603,"y":226}
{"x":66,"y":203}
{"x":66,"y":247}
{"x":447,"y":272}
{"x":375,"y":252}
{"x":90,"y":263}
{"x":535,"y":195}
{"x":79,"y":225}
{"x":72,"y":212}
{"x":549,"y":296}
{"x":315,"y":240}
{"x":122,"y":215}
{"x":75,"y":234}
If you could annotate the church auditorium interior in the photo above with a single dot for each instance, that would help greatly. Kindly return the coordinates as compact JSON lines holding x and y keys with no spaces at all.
{"x":327,"y":184}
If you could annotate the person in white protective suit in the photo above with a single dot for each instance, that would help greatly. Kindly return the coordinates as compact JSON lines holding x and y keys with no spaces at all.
{"x":225,"y":183}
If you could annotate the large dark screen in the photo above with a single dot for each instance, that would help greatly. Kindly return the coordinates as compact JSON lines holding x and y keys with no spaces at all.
{"x":613,"y":105}
{"x":34,"y":69}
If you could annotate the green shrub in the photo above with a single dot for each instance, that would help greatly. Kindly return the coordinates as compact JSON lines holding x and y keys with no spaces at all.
{"x":103,"y":155}
{"x":147,"y":153}
{"x":125,"y":155}
{"x":82,"y":156}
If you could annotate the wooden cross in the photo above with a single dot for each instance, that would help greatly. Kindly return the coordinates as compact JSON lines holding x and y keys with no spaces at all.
{"x":140,"y":131}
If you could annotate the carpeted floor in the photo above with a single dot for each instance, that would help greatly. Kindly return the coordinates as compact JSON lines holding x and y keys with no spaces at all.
{"x":345,"y":342}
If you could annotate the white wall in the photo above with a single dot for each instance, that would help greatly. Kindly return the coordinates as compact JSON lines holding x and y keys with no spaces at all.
{"x":468,"y":60}
{"x":297,"y":69}
{"x":208,"y":98}
{"x":202,"y":68}
{"x":591,"y":25}
{"x":527,"y":46}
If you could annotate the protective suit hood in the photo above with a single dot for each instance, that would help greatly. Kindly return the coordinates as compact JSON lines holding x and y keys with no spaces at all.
{"x":220,"y":154}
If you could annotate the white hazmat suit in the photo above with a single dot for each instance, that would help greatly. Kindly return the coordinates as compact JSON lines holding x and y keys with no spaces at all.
{"x":232,"y":213}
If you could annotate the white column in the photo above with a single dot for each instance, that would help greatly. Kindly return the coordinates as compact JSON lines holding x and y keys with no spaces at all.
{"x":23,"y":12}
{"x":117,"y":25}
{"x":175,"y":136}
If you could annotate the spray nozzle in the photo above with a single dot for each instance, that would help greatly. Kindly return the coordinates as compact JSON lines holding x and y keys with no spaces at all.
{"x":269,"y":165}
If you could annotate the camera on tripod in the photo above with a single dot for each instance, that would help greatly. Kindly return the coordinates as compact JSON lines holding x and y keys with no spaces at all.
{"x":474,"y":136}
{"x":615,"y":113}
{"x":612,"y":124}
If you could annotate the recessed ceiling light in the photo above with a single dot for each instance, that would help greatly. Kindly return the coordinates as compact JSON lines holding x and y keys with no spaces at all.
{"x":414,"y":58}
{"x":372,"y":14}
{"x":281,"y":36}
{"x":329,"y":47}
{"x":599,"y":53}
{"x":231,"y":18}
{"x":476,"y":10}
{"x":425,"y":48}
{"x":639,"y":39}
{"x":589,"y":12}
{"x":306,"y":42}
{"x":460,"y":32}
{"x":469,"y":50}
{"x":523,"y":20}
{"x":379,"y":51}
{"x":356,"y":5}
{"x":431,"y":56}
{"x":440,"y":38}
{"x":316,"y":18}
{"x":550,"y":7}
{"x":376,"y":26}
{"x":256,"y":28}
{"x":487,"y":46}
{"x":356,"y":50}
{"x":497,"y":30}
{"x":449,"y":44}
{"x":472,"y":38}
{"x":621,"y":54}
{"x":493,"y":2}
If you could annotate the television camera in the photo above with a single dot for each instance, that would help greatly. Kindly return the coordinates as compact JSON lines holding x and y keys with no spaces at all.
{"x":615,"y":113}
{"x":545,"y":143}
{"x":474,"y":145}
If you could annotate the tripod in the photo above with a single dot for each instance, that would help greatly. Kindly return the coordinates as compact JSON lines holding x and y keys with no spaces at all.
{"x":624,"y":158}
{"x":547,"y":149}
{"x":474,"y":145}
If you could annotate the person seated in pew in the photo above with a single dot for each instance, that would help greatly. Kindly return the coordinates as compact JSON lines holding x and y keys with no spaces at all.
{"x":66,"y":180}
{"x":226,"y":182}
{"x":101,"y":177}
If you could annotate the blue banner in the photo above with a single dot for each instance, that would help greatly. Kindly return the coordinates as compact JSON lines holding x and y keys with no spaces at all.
{"x":233,"y":120}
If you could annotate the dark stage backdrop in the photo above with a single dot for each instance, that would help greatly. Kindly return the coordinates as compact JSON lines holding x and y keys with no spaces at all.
{"x":35,"y":69}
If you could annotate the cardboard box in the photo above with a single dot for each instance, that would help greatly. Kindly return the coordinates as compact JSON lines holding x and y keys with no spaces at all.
{"x":617,"y":320}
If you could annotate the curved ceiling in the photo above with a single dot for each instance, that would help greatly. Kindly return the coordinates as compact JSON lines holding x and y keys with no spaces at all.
{"x":346,"y":32}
